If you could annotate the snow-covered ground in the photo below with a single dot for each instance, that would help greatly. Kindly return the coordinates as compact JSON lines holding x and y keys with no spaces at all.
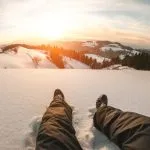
{"x":117,"y":47}
{"x":90,"y":44}
{"x":99,"y":59}
{"x":74,"y":64}
{"x":24,"y":59}
{"x":25,"y":94}
{"x":135,"y":52}
{"x":113,"y":47}
{"x":118,"y":67}
{"x":122,"y":56}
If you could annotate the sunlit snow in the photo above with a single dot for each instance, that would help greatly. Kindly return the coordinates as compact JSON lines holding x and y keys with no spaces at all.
{"x":24,"y":58}
{"x":25,"y":95}
{"x":99,"y":59}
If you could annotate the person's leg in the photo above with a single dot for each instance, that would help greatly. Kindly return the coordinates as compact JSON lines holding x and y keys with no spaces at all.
{"x":130,"y":131}
{"x":56,"y":131}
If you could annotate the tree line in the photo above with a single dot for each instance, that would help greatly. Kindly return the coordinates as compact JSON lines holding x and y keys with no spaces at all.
{"x":139,"y":61}
{"x":55,"y":54}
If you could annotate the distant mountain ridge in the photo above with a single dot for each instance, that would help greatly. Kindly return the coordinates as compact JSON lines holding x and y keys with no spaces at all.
{"x":77,"y":45}
{"x":106,"y":49}
{"x":78,"y":54}
{"x":80,"y":45}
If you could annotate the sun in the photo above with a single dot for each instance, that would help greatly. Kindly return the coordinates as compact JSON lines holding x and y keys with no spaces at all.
{"x":53,"y":29}
{"x":55,"y":26}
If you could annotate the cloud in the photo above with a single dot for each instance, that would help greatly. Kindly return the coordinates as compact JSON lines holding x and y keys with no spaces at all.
{"x":89,"y":18}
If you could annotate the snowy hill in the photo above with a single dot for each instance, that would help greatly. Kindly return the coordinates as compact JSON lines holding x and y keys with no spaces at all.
{"x":113,"y":47}
{"x":107,"y":49}
{"x":74,"y":64}
{"x":118,"y":67}
{"x":25,"y":94}
{"x":119,"y":48}
{"x":29,"y":56}
{"x":90,"y":44}
{"x":99,"y":59}
{"x":24,"y":58}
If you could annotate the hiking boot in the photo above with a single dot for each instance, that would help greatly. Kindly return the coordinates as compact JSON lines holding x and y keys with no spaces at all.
{"x":59,"y":93}
{"x":101,"y":101}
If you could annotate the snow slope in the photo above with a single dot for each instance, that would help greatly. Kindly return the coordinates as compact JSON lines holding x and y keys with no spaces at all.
{"x":74,"y":64}
{"x":118,"y":67}
{"x":99,"y":59}
{"x":118,"y":48}
{"x":91,"y":44}
{"x":122,"y":57}
{"x":135,"y":52}
{"x":113,"y":47}
{"x":23,"y":59}
{"x":25,"y":94}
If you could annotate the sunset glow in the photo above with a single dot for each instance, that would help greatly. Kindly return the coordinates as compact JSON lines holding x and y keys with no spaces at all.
{"x":54,"y":28}
{"x":116,"y":20}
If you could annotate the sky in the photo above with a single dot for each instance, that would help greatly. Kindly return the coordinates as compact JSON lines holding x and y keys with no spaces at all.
{"x":39,"y":21}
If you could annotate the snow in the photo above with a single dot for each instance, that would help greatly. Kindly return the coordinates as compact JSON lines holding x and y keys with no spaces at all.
{"x":23,"y":59}
{"x":90,"y":44}
{"x":99,"y":59}
{"x":74,"y":64}
{"x":135,"y":52}
{"x":25,"y":94}
{"x":118,"y":67}
{"x":113,"y":47}
{"x":116,"y":48}
{"x":126,"y":50}
{"x":122,"y":56}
